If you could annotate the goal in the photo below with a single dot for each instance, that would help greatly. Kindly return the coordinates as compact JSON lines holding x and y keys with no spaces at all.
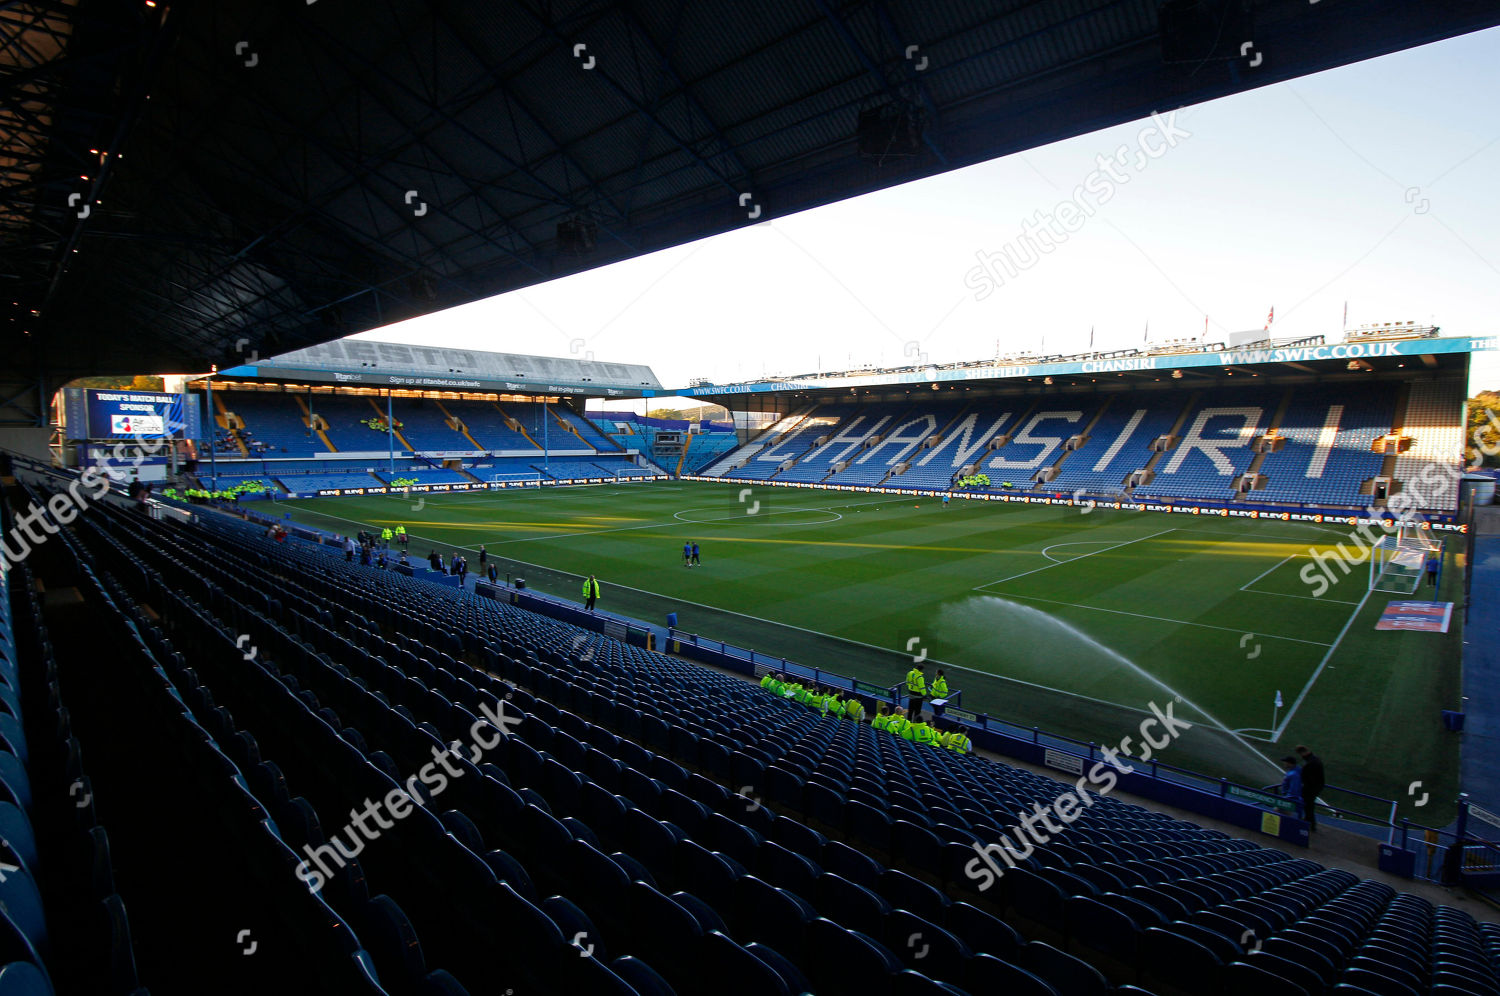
{"x":1397,"y":562}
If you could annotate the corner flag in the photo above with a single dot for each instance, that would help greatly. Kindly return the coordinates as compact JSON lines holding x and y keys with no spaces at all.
{"x":1278,"y":698}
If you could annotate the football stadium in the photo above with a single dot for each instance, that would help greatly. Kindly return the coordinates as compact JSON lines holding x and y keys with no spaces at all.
{"x":450,"y":663}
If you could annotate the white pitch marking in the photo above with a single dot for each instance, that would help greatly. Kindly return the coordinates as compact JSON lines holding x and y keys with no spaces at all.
{"x":1075,"y":559}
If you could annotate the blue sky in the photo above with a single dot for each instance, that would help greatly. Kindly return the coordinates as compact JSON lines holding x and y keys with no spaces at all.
{"x":1373,"y":184}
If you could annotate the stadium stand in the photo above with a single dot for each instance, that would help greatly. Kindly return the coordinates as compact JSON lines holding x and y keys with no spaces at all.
{"x":620,"y":467}
{"x":612,"y":799}
{"x":846,"y":440}
{"x":1214,"y":446}
{"x":707,"y":448}
{"x":964,"y":441}
{"x":1325,"y":456}
{"x":1434,"y":421}
{"x":574,"y":469}
{"x":274,"y":419}
{"x":227,"y":481}
{"x":1328,"y":451}
{"x":899,"y":444}
{"x":541,"y":427}
{"x":425,"y":426}
{"x":486,"y":423}
{"x":505,"y":469}
{"x":324,"y":482}
{"x":276,"y":427}
{"x":346,"y":417}
{"x":586,"y":429}
{"x":678,"y":445}
{"x":788,"y":439}
{"x":425,"y":475}
{"x":1037,"y":441}
{"x":64,"y":925}
{"x":1118,"y":445}
{"x":899,"y":439}
{"x":292,"y":468}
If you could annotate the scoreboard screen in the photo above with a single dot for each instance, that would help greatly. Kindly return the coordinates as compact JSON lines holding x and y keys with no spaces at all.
{"x":95,"y":414}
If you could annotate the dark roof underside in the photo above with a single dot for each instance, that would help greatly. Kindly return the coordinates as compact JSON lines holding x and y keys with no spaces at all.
{"x":270,"y":174}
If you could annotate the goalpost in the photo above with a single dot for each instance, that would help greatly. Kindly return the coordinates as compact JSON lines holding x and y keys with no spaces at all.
{"x":1397,"y":562}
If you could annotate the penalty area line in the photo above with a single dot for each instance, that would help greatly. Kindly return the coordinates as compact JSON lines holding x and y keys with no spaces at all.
{"x":1281,"y":727}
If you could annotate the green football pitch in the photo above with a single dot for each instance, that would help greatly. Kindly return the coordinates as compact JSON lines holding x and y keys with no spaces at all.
{"x":1074,"y":621}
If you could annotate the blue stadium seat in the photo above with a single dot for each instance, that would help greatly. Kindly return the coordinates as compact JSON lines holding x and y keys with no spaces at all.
{"x":20,"y":978}
{"x":575,"y":926}
{"x":15,"y":830}
{"x":1101,"y":928}
{"x":790,"y":975}
{"x":13,"y":776}
{"x":869,"y":824}
{"x":1241,"y":979}
{"x":663,"y":932}
{"x":787,"y":869}
{"x":762,"y":912}
{"x":848,"y":904}
{"x":641,"y":977}
{"x":393,"y":940}
{"x":797,"y":837}
{"x":985,"y":973}
{"x":708,"y":873}
{"x":848,"y":961}
{"x":914,"y":983}
{"x":738,"y":971}
{"x":922,"y":944}
{"x":983,"y":933}
{"x":908,"y":893}
{"x":1062,"y":971}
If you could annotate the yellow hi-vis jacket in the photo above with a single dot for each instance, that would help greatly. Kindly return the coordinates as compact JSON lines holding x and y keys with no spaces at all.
{"x":940,"y":688}
{"x":916,"y":684}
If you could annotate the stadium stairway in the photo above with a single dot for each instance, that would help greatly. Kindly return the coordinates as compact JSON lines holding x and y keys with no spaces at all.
{"x":1085,"y":432}
{"x":570,"y":428}
{"x":635,"y":777}
{"x":772,"y":436}
{"x":517,"y":426}
{"x":381,"y":414}
{"x":225,"y":420}
{"x":457,"y":424}
{"x":317,"y":424}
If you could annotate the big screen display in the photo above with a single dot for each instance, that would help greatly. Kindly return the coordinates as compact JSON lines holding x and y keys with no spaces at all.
{"x":137,"y":415}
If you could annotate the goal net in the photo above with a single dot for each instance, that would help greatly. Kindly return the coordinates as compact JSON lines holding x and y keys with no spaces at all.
{"x":1397,"y":563}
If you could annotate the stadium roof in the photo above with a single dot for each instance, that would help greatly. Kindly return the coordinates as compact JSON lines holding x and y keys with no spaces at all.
{"x":367,"y":363}
{"x":1304,"y":359}
{"x":185,"y":185}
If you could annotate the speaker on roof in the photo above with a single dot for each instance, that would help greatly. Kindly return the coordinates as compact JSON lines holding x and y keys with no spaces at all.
{"x":890,"y":131}
{"x":1198,"y":31}
{"x":577,"y":236}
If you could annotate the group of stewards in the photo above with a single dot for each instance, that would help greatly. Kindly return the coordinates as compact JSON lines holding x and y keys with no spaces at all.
{"x":831,"y":701}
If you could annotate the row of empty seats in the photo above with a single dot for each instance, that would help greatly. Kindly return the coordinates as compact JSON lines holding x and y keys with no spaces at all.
{"x":1327,"y":455}
{"x":280,"y":421}
{"x":63,"y":923}
{"x":736,"y":845}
